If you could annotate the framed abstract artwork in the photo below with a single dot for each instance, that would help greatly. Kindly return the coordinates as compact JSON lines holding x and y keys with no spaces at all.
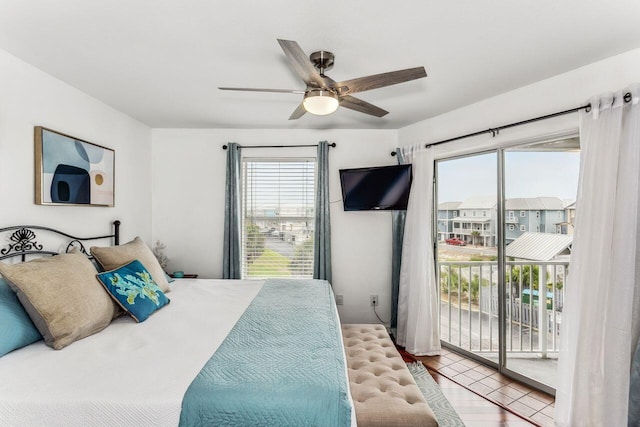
{"x":70,"y":171}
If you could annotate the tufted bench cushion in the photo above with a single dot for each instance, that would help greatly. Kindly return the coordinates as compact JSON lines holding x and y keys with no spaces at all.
{"x":384,"y":392}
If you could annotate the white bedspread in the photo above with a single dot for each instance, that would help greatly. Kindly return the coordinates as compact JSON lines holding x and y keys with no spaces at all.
{"x":129,"y":374}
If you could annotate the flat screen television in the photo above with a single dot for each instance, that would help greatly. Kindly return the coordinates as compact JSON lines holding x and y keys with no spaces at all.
{"x":376,"y":188}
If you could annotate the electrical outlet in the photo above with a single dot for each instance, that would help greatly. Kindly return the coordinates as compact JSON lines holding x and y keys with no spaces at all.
{"x":339,"y":300}
{"x":374,"y":300}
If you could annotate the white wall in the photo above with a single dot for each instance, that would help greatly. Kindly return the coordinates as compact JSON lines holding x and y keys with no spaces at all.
{"x":28,"y":98}
{"x":562,"y":92}
{"x":188,"y":205}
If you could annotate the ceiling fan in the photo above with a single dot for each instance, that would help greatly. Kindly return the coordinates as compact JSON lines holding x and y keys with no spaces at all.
{"x":323,"y":95}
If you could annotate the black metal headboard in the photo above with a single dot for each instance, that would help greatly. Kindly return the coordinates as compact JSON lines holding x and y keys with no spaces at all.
{"x":22,"y":240}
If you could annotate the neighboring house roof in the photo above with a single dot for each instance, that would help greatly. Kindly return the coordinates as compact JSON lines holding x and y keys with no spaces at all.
{"x":517,"y":204}
{"x":569,"y":204}
{"x":448,"y":206}
{"x":535,"y":204}
{"x":480,"y":202}
{"x":539,"y":246}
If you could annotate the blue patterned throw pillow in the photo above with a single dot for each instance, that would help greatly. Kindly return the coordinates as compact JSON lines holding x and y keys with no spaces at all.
{"x":134,"y":289}
{"x":16,"y":328}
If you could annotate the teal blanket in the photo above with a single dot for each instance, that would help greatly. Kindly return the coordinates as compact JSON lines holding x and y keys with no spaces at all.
{"x":282,"y":364}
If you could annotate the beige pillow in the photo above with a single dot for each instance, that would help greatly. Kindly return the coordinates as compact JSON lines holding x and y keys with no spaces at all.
{"x":62,"y":296}
{"x":113,"y":257}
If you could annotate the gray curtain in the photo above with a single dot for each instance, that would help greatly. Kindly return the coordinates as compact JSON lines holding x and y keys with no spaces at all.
{"x":232,"y":215}
{"x":633,"y":417}
{"x":322,"y":231}
{"x":397,"y":231}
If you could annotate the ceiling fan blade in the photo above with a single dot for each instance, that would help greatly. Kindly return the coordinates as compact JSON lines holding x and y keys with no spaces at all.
{"x":301,"y":64}
{"x":356,"y":104}
{"x":248,"y":89}
{"x":297,"y":113}
{"x":379,"y":80}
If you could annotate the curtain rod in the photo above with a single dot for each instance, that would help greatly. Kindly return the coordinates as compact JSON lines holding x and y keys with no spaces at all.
{"x":333,"y":144}
{"x":496,"y":131}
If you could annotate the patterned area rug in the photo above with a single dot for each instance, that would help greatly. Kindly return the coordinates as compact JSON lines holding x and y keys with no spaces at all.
{"x":444,"y":412}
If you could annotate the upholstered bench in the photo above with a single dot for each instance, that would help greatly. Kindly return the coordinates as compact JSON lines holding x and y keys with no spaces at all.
{"x":384,"y":392}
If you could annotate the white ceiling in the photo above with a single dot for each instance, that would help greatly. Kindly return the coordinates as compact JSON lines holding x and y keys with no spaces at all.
{"x":161,"y":61}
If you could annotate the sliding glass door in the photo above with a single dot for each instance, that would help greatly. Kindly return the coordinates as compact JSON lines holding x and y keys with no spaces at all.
{"x":467,"y":252}
{"x":504,"y":229}
{"x":540,"y":186}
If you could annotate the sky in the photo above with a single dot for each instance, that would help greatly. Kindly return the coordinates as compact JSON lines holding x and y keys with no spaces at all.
{"x":527,"y":174}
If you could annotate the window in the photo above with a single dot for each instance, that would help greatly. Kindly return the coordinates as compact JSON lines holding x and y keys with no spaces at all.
{"x":537,"y":228}
{"x":278,"y":203}
{"x":537,"y":214}
{"x":484,"y":213}
{"x":512,"y":227}
{"x":455,"y":214}
{"x":523,"y":214}
{"x":473,"y":213}
{"x":523,"y":228}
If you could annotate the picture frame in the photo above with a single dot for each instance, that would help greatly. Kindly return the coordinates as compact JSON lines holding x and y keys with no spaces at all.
{"x":71,"y":171}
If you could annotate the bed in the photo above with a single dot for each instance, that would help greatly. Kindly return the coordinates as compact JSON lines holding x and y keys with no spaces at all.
{"x":221,"y":352}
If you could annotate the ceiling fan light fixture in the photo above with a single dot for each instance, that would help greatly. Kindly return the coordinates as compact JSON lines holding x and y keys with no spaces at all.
{"x":320,"y":102}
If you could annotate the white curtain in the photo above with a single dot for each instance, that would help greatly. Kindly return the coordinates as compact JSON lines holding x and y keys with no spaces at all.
{"x":599,"y":322}
{"x":418,"y":298}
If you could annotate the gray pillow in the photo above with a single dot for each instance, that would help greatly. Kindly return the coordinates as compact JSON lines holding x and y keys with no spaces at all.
{"x":62,"y":297}
{"x":113,"y":257}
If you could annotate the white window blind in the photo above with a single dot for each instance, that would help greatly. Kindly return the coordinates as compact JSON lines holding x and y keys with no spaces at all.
{"x":278,"y":211}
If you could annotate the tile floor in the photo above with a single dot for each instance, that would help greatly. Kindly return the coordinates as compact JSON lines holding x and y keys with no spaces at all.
{"x":475,"y":410}
{"x":517,"y":397}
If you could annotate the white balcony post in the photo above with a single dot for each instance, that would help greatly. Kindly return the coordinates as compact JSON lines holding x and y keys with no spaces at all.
{"x":542,"y":311}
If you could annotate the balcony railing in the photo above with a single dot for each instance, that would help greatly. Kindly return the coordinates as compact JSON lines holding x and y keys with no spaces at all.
{"x":469,"y":305}
{"x":468,"y":231}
